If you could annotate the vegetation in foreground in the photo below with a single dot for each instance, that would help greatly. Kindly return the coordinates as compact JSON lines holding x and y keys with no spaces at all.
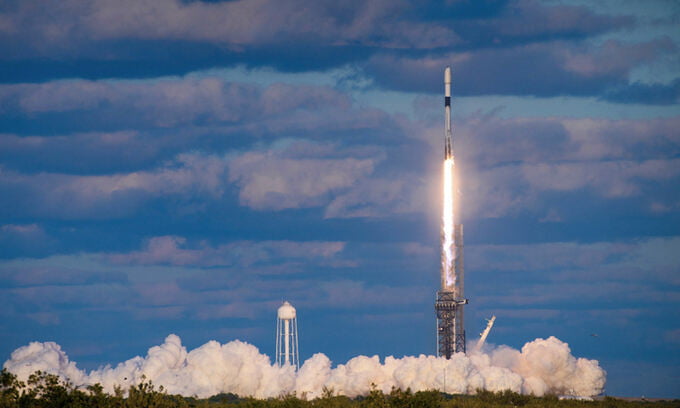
{"x":49,"y":391}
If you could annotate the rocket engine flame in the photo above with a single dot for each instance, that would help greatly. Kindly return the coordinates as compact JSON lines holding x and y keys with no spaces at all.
{"x":448,"y":222}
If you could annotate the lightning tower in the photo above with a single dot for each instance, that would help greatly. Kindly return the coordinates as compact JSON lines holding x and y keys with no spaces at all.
{"x":450,"y":299}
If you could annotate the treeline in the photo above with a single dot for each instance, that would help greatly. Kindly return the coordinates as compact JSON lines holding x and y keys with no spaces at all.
{"x":44,"y":390}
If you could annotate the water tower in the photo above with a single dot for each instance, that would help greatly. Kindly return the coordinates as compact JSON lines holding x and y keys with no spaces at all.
{"x":287,"y":337}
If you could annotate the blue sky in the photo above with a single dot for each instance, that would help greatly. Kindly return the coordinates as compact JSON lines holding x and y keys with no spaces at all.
{"x":182,"y":167}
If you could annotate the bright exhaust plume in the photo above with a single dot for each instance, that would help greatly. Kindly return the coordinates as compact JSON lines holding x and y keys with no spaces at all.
{"x":448,"y":222}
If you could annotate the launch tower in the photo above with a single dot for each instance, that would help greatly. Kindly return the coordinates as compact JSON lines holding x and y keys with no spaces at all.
{"x":450,"y":299}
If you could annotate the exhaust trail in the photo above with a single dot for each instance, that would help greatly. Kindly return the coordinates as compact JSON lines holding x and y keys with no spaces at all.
{"x":448,"y":222}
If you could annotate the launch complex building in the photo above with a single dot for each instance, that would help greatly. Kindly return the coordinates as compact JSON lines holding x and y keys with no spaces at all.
{"x":450,"y":299}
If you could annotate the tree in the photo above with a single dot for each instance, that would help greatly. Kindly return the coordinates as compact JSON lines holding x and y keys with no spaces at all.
{"x":10,"y":389}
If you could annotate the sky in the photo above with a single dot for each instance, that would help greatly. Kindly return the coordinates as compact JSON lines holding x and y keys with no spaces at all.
{"x":183,"y":167}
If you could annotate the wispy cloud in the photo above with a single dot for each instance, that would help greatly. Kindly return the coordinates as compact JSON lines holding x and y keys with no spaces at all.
{"x":174,"y":250}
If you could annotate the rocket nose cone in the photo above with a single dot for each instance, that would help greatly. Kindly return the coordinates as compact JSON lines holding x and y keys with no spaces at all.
{"x":447,"y":75}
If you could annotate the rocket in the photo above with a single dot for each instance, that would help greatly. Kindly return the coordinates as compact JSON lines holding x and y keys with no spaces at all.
{"x":450,"y":299}
{"x":448,"y":142}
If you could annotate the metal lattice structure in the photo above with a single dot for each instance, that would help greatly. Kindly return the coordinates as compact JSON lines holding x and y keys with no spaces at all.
{"x":449,"y":308}
{"x":450,"y":325}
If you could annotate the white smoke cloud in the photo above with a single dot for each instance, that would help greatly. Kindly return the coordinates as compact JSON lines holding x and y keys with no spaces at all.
{"x":542,"y":366}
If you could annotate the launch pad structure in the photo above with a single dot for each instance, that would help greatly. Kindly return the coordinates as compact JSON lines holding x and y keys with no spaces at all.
{"x":450,"y":300}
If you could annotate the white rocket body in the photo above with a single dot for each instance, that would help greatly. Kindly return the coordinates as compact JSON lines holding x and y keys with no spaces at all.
{"x":448,"y":142}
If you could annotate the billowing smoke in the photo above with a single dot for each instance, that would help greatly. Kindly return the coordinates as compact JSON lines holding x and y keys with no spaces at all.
{"x":540,"y":367}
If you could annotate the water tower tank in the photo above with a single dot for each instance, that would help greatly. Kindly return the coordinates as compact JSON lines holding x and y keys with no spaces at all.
{"x":286,"y":311}
{"x":287,"y":336}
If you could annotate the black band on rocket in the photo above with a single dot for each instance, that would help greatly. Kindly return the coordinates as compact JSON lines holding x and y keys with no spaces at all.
{"x":447,"y":101}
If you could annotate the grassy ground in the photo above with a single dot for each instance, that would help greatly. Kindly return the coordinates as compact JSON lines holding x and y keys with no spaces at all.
{"x":48,"y":391}
{"x":425,"y":399}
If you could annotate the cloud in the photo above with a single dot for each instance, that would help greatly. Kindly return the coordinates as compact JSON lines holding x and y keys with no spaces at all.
{"x":545,"y":257}
{"x":490,"y":141}
{"x":270,"y":181}
{"x":608,"y":179}
{"x":267,"y":22}
{"x":574,"y":69}
{"x":508,"y":163}
{"x":172,"y":250}
{"x":346,"y":182}
{"x":57,"y":299}
{"x":18,"y":277}
{"x":164,"y":103}
{"x":512,"y":165}
{"x":346,"y":294}
{"x":532,"y":20}
{"x":173,"y":101}
{"x":133,"y":125}
{"x":652,"y":94}
{"x":172,"y":277}
{"x":20,"y":232}
{"x":137,"y":38}
{"x":110,"y":196}
{"x":379,"y":197}
{"x":235,"y":25}
{"x":24,"y":240}
{"x":601,"y":274}
{"x":83,"y":153}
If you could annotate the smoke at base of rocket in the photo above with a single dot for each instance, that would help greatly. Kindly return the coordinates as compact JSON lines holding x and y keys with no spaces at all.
{"x":543,"y":366}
